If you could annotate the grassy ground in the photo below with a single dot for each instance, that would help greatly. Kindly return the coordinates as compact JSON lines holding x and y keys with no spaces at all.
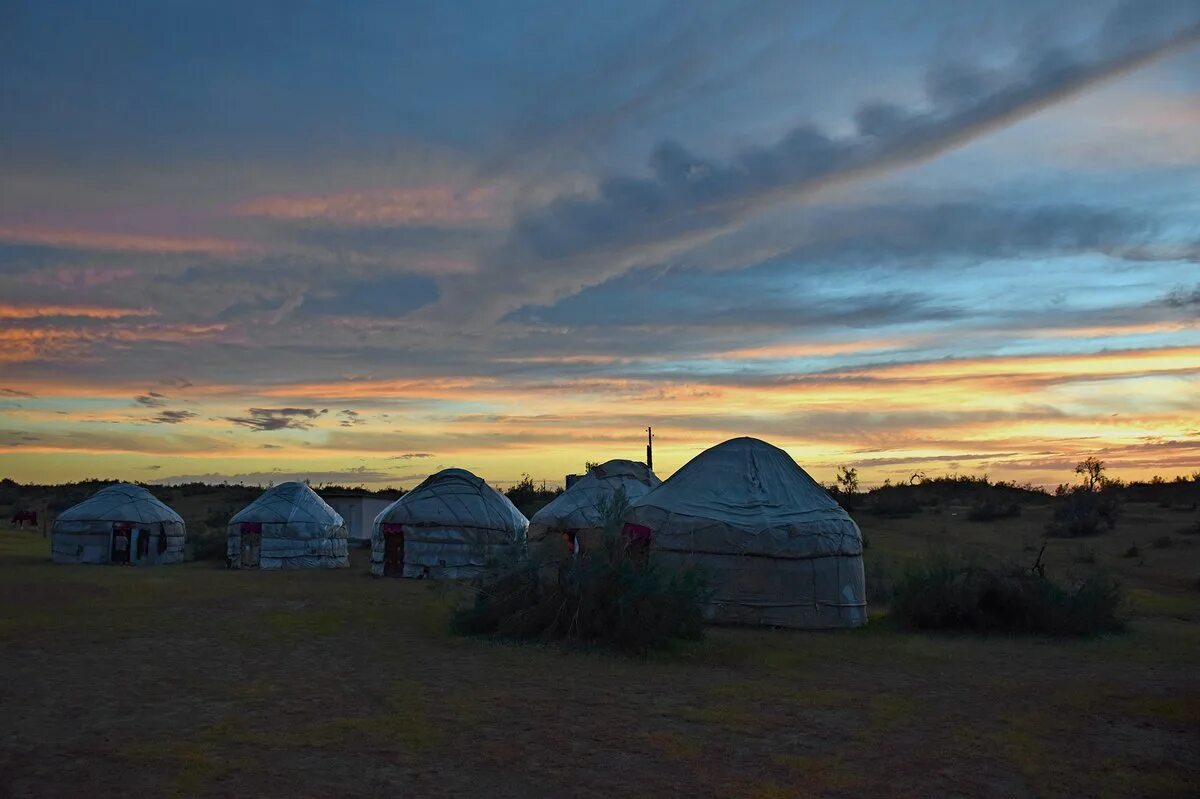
{"x":194,"y":680}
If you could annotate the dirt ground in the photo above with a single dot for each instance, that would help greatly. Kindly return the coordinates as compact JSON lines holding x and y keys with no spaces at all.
{"x":196,"y":681}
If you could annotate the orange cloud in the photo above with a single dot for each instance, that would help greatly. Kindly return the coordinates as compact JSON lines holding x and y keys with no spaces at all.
{"x":410,"y":205}
{"x":79,"y":311}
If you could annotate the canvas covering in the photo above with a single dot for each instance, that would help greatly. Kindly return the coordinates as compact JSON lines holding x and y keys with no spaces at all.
{"x":580,"y":509}
{"x":84,"y":533}
{"x":298,"y":530}
{"x":454,"y":525}
{"x":776,"y":549}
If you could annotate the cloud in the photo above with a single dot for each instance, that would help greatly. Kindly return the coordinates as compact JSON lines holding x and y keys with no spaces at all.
{"x":417,"y":206}
{"x":410,"y":456}
{"x":276,"y":476}
{"x":267,"y":419}
{"x":70,"y":311}
{"x":12,"y":392}
{"x":153,"y":468}
{"x":151,"y":400}
{"x":176,"y":382}
{"x":117,"y":241}
{"x":577,"y":241}
{"x":172,"y":417}
{"x":1183,"y":299}
{"x":350,"y":418}
{"x":77,"y":279}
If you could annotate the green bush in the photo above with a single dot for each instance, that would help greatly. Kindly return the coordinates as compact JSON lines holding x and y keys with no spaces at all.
{"x":893,"y":505}
{"x":208,"y":545}
{"x":942,"y":594}
{"x":610,"y":596}
{"x":990,"y":510}
{"x":1081,"y":512}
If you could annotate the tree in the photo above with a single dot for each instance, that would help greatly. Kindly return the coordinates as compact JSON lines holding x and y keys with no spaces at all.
{"x":588,"y":466}
{"x":1092,"y":471}
{"x":847,"y":482}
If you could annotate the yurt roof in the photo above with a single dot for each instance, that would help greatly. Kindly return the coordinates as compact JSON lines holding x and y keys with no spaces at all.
{"x":121,"y":502}
{"x":746,"y":496}
{"x":289,"y":503}
{"x":455,"y":498}
{"x":582,"y":505}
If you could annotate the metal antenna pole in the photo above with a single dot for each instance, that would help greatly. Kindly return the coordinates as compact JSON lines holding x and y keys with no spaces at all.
{"x":650,"y":448}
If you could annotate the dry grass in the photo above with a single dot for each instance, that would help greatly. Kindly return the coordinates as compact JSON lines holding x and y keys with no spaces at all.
{"x":197,"y":681}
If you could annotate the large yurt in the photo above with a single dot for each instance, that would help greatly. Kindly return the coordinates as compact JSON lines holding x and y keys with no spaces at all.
{"x":453,"y":525}
{"x":775,"y":548}
{"x":287,"y":527}
{"x":577,"y":516}
{"x":120,"y":524}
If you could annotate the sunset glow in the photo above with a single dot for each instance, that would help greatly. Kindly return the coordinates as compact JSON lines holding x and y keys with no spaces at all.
{"x":897,"y":253}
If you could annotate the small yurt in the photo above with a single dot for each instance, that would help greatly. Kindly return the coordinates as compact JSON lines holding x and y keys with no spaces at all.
{"x":288,"y":527}
{"x":120,"y":524}
{"x":577,"y":515}
{"x":775,"y":548}
{"x":453,"y":525}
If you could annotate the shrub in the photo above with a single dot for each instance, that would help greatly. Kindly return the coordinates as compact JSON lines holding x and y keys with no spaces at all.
{"x":894,"y":505}
{"x":610,"y":596}
{"x":1085,"y":555}
{"x":880,"y":584}
{"x":940,"y":594}
{"x":1163,"y":542}
{"x":1132,"y":552}
{"x":207,"y":545}
{"x":990,"y":510}
{"x":1080,"y":512}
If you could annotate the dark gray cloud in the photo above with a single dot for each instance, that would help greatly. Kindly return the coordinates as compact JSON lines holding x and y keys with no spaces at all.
{"x":172,"y":417}
{"x":1183,"y":299}
{"x":577,"y":241}
{"x":410,"y":456}
{"x":12,"y":392}
{"x":176,"y":382}
{"x":267,"y":419}
{"x":276,"y":476}
{"x":151,"y":399}
{"x":348,"y":418}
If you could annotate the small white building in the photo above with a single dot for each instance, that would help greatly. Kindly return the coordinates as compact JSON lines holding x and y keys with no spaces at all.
{"x":358,"y":512}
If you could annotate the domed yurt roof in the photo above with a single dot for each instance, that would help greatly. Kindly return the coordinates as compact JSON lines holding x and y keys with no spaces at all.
{"x":121,"y":502}
{"x":455,"y":498}
{"x":745,"y":496}
{"x":582,"y":506}
{"x":294,"y":505}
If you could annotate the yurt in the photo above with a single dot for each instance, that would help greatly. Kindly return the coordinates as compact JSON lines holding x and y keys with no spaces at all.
{"x":287,"y":527}
{"x":120,"y":524}
{"x":577,"y":515}
{"x":453,"y":525}
{"x":775,"y":548}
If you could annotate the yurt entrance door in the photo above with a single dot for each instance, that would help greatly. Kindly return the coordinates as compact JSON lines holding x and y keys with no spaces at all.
{"x":122,"y":533}
{"x":393,"y":538}
{"x":251,"y":544}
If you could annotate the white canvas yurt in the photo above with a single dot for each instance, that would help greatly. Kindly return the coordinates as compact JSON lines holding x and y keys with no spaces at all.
{"x":776,"y":549}
{"x":120,"y":524}
{"x":288,"y":527}
{"x":577,"y":514}
{"x":453,"y":525}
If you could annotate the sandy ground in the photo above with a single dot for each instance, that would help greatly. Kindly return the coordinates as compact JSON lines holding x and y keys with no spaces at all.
{"x":196,"y":681}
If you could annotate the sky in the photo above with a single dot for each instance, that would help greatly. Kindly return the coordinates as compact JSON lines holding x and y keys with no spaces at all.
{"x":357,"y":243}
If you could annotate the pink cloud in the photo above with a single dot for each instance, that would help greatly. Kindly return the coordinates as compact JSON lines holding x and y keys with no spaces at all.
{"x":117,"y":241}
{"x":409,"y":205}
